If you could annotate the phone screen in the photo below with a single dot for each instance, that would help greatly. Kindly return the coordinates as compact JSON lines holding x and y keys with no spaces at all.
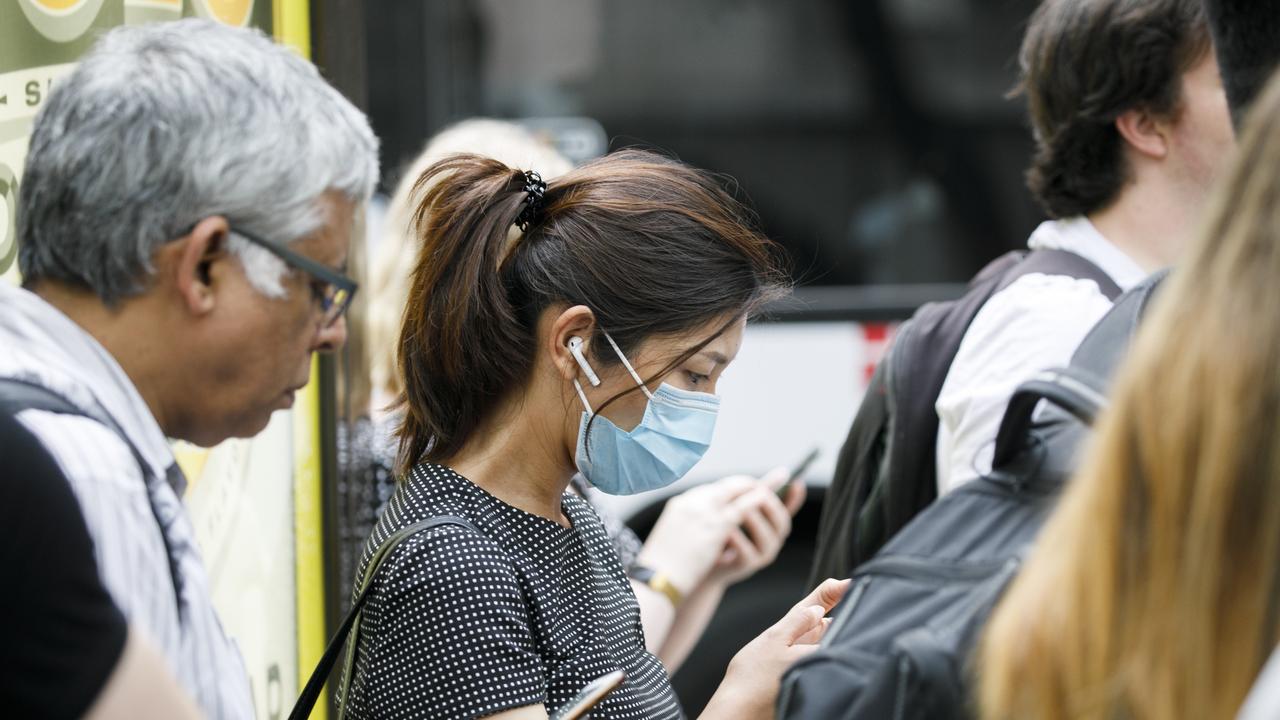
{"x":591,"y":695}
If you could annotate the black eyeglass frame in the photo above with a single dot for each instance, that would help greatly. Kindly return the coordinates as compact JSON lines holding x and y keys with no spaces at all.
{"x":344,"y":287}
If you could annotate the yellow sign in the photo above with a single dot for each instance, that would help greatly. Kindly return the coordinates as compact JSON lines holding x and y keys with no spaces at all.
{"x":231,"y":12}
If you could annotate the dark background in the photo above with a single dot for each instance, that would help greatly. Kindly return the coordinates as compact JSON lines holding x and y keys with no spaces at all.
{"x":874,"y":137}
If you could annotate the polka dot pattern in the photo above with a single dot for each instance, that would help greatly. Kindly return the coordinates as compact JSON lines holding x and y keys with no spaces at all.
{"x":460,"y":624}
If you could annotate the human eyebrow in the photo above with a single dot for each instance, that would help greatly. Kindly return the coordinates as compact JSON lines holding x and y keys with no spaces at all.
{"x":715,"y":357}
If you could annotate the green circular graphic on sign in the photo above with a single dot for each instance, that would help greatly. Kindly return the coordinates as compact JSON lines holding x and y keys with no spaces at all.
{"x":8,"y":218}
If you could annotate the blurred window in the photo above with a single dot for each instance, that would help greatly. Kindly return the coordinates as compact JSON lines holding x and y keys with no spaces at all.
{"x":874,"y":137}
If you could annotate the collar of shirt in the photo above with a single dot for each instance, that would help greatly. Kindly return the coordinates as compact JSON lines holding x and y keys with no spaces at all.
{"x":1079,"y":236}
{"x":47,"y":347}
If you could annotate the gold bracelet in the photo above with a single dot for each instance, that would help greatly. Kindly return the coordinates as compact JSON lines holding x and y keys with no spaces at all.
{"x":656,"y":581}
{"x":660,"y":583}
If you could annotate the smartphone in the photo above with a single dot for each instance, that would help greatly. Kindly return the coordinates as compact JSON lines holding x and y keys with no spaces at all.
{"x":591,"y":695}
{"x":798,"y":472}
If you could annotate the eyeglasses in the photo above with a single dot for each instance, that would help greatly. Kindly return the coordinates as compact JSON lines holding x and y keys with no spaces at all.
{"x":331,"y":289}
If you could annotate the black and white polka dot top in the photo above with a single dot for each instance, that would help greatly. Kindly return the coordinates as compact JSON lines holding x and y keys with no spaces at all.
{"x":460,"y":624}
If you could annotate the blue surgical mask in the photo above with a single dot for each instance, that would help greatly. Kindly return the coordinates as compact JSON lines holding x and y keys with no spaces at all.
{"x":671,"y":438}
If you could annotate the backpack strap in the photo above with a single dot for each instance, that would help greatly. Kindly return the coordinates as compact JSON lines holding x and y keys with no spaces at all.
{"x":886,"y":471}
{"x":17,"y":395}
{"x":1107,"y":344}
{"x":921,"y":359}
{"x":919,"y":363}
{"x":311,"y":692}
{"x":1081,"y":388}
{"x":1061,"y":262}
{"x":1074,"y":390}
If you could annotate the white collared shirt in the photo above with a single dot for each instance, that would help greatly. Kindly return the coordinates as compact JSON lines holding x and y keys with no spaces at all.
{"x":1034,"y":324}
{"x":143,"y":539}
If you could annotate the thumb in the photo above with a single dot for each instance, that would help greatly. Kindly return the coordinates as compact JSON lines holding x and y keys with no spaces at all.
{"x":800,"y":621}
{"x":727,"y":488}
{"x":776,"y":478}
{"x":828,"y":594}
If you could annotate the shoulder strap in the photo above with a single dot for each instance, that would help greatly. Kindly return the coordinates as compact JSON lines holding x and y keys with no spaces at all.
{"x":18,"y":395}
{"x":919,"y":363}
{"x":311,"y":692}
{"x":1061,"y":262}
{"x":1106,"y":345}
{"x":1071,"y":389}
{"x":1081,"y":388}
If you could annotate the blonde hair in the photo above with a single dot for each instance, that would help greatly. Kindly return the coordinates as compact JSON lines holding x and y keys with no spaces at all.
{"x":397,"y":251}
{"x":1152,"y":592}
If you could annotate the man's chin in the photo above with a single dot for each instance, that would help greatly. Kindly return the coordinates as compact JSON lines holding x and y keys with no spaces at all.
{"x":246,"y":428}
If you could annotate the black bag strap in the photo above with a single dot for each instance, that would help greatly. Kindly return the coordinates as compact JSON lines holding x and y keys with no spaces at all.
{"x":921,"y":359}
{"x":918,"y":365}
{"x":311,"y":692}
{"x":17,"y":395}
{"x":1072,"y":389}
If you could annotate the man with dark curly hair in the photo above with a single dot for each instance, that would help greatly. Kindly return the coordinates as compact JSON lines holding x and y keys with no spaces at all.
{"x":1131,"y":126}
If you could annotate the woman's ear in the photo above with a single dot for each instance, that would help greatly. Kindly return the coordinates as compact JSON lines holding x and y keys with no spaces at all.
{"x":568,"y":338}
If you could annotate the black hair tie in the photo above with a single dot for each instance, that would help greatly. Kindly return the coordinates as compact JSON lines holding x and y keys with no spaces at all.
{"x":534,"y":188}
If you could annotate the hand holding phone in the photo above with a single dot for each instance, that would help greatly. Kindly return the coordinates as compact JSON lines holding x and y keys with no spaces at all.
{"x":590,"y":696}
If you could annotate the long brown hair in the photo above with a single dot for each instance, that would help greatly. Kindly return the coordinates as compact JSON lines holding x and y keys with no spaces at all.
{"x":1153,"y":591}
{"x":652,"y":246}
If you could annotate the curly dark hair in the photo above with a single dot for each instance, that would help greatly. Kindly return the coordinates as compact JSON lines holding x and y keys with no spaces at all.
{"x":1086,"y":62}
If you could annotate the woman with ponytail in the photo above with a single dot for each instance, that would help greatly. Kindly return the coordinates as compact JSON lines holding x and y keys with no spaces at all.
{"x":575,"y":326}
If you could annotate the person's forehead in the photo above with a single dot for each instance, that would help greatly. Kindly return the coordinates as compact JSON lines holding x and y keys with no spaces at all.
{"x":331,"y":242}
{"x":721,"y":349}
{"x":725,"y":347}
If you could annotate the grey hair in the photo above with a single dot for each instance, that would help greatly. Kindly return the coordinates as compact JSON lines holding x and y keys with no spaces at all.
{"x":165,"y":124}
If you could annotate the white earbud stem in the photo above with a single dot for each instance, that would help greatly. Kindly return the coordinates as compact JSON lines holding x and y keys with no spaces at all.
{"x":575,"y":349}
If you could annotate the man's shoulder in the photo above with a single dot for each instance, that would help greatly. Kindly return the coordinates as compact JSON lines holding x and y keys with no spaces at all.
{"x":87,"y":451}
{"x":1034,"y":323}
{"x":1039,"y":304}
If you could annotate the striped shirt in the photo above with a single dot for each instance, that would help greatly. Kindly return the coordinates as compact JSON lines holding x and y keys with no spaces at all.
{"x":143,"y":539}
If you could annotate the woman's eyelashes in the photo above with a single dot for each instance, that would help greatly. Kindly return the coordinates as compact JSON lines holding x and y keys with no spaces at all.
{"x":696,"y":379}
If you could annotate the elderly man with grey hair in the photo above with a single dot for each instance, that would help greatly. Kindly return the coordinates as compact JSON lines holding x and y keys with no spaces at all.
{"x":184,"y":219}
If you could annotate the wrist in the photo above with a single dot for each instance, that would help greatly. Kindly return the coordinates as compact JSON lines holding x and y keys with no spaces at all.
{"x":727,"y":703}
{"x":714,"y":586}
{"x":657,"y":581}
{"x":677,"y":572}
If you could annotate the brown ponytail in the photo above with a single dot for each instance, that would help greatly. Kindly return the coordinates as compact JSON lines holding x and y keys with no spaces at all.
{"x":461,"y":344}
{"x":650,"y":245}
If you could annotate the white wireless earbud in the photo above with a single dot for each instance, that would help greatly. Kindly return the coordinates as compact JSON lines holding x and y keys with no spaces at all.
{"x":575,"y":349}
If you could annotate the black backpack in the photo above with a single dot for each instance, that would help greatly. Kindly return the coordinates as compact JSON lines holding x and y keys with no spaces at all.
{"x":885,"y":473}
{"x":900,"y":642}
